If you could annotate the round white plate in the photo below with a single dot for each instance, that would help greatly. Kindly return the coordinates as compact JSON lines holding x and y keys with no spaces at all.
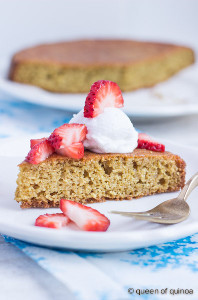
{"x":176,"y":97}
{"x":123,"y":234}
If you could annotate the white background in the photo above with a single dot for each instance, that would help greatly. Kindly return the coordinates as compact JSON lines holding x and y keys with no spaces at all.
{"x":28,"y":22}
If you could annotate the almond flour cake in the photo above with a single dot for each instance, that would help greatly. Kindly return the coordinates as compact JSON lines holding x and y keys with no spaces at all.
{"x":118,"y":163}
{"x":99,"y":177}
{"x":71,"y":67}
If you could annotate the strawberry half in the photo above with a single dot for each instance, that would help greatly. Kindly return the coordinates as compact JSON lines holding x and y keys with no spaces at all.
{"x":68,"y":134}
{"x":103,"y":93}
{"x":52,"y":220}
{"x":86,"y":218}
{"x":39,"y":152}
{"x":33,"y":142}
{"x":67,"y":140}
{"x":75,"y":150}
{"x":146,"y":142}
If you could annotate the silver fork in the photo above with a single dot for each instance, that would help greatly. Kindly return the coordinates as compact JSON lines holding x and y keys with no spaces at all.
{"x":168,"y":212}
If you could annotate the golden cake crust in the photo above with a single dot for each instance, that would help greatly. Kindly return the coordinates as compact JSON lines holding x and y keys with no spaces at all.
{"x":169,"y":170}
{"x":88,"y":155}
{"x":95,"y":52}
{"x":74,"y":65}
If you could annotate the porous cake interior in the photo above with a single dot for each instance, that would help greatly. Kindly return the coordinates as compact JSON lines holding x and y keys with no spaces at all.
{"x":98,"y":177}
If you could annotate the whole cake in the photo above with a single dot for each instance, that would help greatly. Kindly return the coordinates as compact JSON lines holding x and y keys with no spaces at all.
{"x":71,"y":67}
{"x":118,"y":163}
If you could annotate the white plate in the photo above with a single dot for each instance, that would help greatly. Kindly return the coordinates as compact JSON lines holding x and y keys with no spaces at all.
{"x":123,"y":234}
{"x":176,"y":97}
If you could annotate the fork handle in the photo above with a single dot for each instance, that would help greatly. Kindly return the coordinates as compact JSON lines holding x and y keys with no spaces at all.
{"x":131,"y":214}
{"x":189,"y":187}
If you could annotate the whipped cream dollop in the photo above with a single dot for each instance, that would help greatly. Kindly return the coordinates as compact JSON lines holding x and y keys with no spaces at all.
{"x":109,"y":132}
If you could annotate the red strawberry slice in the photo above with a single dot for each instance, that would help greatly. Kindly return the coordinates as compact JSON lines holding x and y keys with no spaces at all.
{"x":103,"y":93}
{"x":146,"y":142}
{"x":39,"y":152}
{"x":52,"y":220}
{"x":33,"y":142}
{"x":75,"y":150}
{"x":86,"y":218}
{"x":67,"y":134}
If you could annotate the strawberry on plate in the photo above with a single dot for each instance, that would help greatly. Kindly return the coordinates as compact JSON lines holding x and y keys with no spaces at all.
{"x":67,"y":140}
{"x":52,"y":220}
{"x":146,"y":142}
{"x":34,"y":142}
{"x":40,"y":152}
{"x":103,"y":93}
{"x":86,"y":218}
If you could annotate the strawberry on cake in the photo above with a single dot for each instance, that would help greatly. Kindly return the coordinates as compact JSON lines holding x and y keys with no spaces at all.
{"x":98,"y":156}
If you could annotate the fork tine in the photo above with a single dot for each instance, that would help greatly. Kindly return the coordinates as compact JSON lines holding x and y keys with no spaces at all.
{"x":150,"y":217}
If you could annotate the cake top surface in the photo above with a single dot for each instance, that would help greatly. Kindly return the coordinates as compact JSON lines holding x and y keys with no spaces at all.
{"x":137,"y":153}
{"x":94,"y":52}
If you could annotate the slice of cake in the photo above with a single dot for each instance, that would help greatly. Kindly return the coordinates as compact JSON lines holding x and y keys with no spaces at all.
{"x":118,"y":164}
{"x":71,"y":67}
{"x":99,"y":177}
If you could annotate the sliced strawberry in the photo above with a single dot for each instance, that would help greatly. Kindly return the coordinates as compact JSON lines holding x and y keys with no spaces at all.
{"x":75,"y":150}
{"x":67,"y":134}
{"x":36,"y":141}
{"x":52,"y":220}
{"x":146,"y":142}
{"x":102,"y":94}
{"x":39,"y":152}
{"x":86,"y":218}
